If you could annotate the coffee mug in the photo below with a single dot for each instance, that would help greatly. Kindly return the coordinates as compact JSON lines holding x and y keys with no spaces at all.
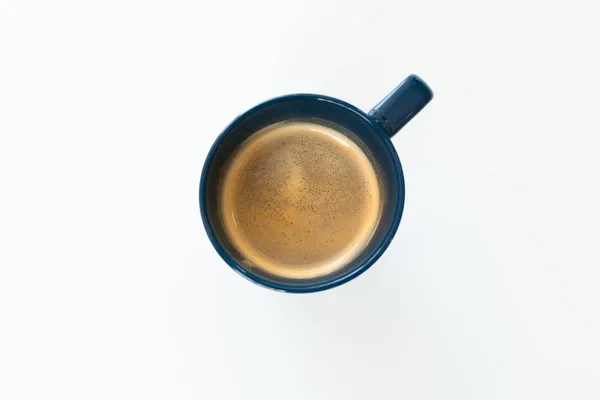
{"x":373,"y":131}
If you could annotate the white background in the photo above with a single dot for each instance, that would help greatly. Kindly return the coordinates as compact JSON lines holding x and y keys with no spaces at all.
{"x":110,"y":289}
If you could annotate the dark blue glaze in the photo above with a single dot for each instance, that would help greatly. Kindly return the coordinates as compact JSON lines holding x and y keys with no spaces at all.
{"x":371,"y":131}
{"x":402,"y":104}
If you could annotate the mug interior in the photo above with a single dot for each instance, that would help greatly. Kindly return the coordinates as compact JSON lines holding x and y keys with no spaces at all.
{"x":327,"y":111}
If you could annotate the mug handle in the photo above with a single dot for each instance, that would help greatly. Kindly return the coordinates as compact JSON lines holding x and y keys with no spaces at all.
{"x":401,"y":105}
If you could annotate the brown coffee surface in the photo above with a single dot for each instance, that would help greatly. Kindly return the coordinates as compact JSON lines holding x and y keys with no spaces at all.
{"x":299,"y":199}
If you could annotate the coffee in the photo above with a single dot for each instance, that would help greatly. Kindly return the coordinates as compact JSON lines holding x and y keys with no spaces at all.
{"x":299,"y":199}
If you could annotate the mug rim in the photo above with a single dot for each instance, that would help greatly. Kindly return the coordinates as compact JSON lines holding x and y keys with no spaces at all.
{"x":329,"y":284}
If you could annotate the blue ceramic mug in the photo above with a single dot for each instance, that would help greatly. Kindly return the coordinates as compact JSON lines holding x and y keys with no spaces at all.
{"x":374,"y":131}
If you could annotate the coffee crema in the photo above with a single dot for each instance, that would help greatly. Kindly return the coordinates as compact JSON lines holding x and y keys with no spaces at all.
{"x":299,"y":200}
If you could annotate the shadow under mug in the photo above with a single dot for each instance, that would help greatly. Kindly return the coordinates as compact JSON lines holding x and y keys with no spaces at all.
{"x":372,"y":131}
